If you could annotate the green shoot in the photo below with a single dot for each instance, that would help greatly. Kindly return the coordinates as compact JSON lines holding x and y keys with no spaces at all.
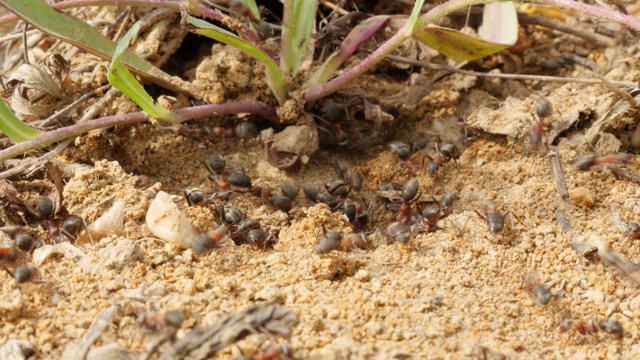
{"x":251,"y":5}
{"x":297,"y":23}
{"x":275,"y":79}
{"x":122,"y":79}
{"x":13,"y":127}
{"x":77,"y":32}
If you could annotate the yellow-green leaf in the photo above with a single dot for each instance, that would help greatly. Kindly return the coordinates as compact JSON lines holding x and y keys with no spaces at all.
{"x":457,"y":45}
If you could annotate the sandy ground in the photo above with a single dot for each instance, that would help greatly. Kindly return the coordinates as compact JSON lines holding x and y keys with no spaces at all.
{"x":455,"y":293}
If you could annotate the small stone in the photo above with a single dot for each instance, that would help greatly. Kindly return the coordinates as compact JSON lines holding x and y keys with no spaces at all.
{"x":11,"y":305}
{"x":373,"y":328}
{"x":124,"y":253}
{"x":156,"y":289}
{"x":16,"y":349}
{"x":581,"y":196}
{"x":597,"y":297}
{"x":167,"y":222}
{"x":333,"y":314}
{"x":362,"y":275}
{"x":270,"y":294}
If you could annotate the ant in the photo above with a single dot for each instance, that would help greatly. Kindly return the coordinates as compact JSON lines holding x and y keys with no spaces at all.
{"x":243,"y":130}
{"x":533,"y":286}
{"x":611,"y":326}
{"x":258,"y":238}
{"x":24,"y":274}
{"x":249,"y":231}
{"x":354,"y":241}
{"x":334,"y":118}
{"x":409,"y":196}
{"x":494,"y":219}
{"x":633,"y":231}
{"x":216,"y":165}
{"x":353,"y":211}
{"x":353,"y":176}
{"x":204,"y":243}
{"x":154,"y":322}
{"x":284,"y":202}
{"x":229,"y":214}
{"x":333,"y":240}
{"x":337,"y":187}
{"x":399,"y":232}
{"x":543,"y":110}
{"x":444,"y":155}
{"x":329,"y":242}
{"x":583,"y":327}
{"x":589,"y":161}
{"x":431,"y":215}
{"x":403,"y":152}
{"x":314,"y":194}
{"x":67,"y":231}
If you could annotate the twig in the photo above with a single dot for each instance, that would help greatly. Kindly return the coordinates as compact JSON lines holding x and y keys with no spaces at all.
{"x":168,"y":335}
{"x":203,"y":343}
{"x":33,"y":164}
{"x":334,"y":7}
{"x":506,"y":76}
{"x":95,"y":330}
{"x":49,"y":121}
{"x":623,"y":94}
{"x":559,"y":175}
{"x":600,"y":40}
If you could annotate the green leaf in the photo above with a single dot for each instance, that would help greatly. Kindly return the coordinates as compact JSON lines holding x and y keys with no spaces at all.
{"x":122,"y":79}
{"x":297,"y":23}
{"x":251,"y":4}
{"x":413,"y":18}
{"x":457,"y":45}
{"x":76,"y":32}
{"x":13,"y":127}
{"x":275,"y":79}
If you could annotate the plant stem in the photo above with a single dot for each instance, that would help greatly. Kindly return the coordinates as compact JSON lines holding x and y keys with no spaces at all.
{"x":356,"y":71}
{"x":437,"y":13}
{"x":189,"y":113}
{"x":624,"y":19}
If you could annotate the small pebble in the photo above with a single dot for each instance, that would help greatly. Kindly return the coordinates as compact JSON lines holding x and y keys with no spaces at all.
{"x":362,"y":275}
{"x":581,"y":196}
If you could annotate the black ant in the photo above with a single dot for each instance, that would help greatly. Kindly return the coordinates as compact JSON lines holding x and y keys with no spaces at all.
{"x":444,"y":155}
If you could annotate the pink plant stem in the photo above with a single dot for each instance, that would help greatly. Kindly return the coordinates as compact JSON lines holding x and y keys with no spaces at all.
{"x":626,"y":20}
{"x":189,"y":113}
{"x":443,"y":10}
{"x":356,"y":71}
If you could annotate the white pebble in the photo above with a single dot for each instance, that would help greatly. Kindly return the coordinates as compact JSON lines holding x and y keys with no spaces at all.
{"x":167,"y":222}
